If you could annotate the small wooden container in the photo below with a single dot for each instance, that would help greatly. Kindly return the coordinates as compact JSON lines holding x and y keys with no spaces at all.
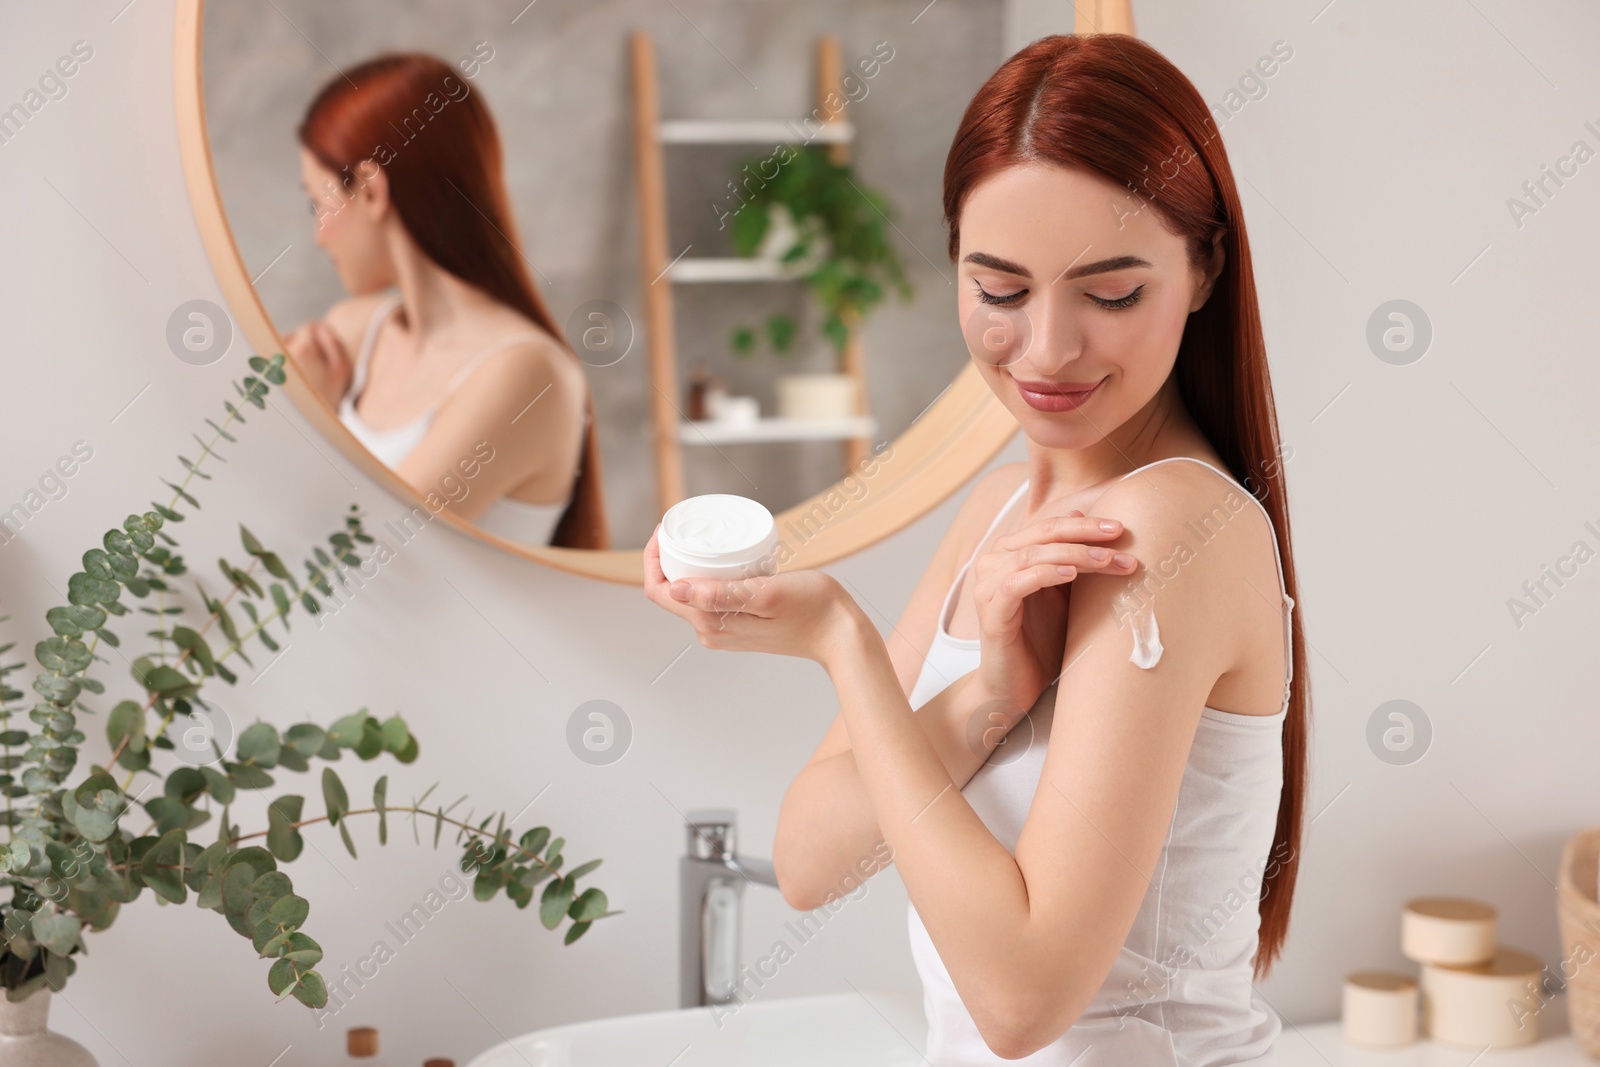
{"x":1578,"y":916}
{"x":1495,"y":1003}
{"x":1448,"y":930}
{"x":1380,"y":1009}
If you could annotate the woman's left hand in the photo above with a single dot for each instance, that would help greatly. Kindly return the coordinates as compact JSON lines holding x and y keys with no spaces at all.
{"x":799,"y":613}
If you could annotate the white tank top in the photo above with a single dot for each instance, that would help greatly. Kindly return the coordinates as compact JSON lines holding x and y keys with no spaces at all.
{"x":1161,"y":1005}
{"x":514,"y":520}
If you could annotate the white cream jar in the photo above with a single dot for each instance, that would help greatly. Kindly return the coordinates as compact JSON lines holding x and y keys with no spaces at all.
{"x":717,"y":535}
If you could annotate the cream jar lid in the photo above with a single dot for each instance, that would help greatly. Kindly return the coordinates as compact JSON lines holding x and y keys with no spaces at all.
{"x":1453,"y":930}
{"x":718,"y":529}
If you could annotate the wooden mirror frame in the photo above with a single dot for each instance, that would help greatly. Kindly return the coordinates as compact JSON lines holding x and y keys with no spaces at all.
{"x":954,"y":438}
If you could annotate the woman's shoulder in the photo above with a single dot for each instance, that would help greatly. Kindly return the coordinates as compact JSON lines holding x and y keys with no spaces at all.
{"x":350,"y":317}
{"x":1190,"y":509}
{"x":527,"y":354}
{"x":1179,"y":484}
{"x":522,"y":367}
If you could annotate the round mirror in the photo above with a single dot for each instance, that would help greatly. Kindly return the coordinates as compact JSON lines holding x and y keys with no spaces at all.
{"x":544,"y":276}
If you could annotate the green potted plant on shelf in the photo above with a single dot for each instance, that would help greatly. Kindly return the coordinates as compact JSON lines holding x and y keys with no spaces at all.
{"x":80,"y":847}
{"x":822,"y":226}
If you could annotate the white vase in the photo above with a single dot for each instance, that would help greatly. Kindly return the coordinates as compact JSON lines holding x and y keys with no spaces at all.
{"x":817,"y":396}
{"x":25,"y":1040}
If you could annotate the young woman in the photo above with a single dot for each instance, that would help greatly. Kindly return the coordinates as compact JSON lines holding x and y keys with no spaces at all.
{"x":457,"y":380}
{"x":1087,"y":765}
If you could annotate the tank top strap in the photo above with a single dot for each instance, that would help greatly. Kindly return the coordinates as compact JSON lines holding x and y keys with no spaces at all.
{"x":364,"y":355}
{"x":1283,"y":589}
{"x":465,"y":372}
{"x":944,"y":605}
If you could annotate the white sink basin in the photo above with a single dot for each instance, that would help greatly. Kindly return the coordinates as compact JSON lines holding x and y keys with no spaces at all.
{"x":880,"y":1029}
{"x":886,"y":1029}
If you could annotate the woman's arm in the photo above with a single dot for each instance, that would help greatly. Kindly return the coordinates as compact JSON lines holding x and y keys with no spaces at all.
{"x":1028,"y":939}
{"x":513,"y":421}
{"x":827,"y":837}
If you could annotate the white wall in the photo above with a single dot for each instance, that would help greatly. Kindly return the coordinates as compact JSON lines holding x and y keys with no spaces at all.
{"x":1377,"y":167}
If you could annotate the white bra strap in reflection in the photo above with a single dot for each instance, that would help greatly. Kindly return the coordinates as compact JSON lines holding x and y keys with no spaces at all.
{"x":364,"y":356}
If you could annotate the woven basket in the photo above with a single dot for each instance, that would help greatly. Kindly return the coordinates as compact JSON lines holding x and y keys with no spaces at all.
{"x":1579,"y":917}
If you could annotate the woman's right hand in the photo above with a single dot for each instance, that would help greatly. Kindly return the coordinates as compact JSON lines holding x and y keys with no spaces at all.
{"x":319,"y":358}
{"x":1021,"y":590}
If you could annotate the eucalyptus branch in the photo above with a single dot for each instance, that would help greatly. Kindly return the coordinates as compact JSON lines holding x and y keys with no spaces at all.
{"x":71,"y":864}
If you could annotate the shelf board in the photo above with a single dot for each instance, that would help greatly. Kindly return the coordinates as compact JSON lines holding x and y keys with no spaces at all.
{"x":731,"y":269}
{"x":711,"y":432}
{"x":753,"y":131}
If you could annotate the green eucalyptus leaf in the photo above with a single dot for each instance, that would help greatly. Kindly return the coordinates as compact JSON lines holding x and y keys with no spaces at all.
{"x":64,"y":655}
{"x":138,"y":535}
{"x":196,"y":646}
{"x":344,"y":835}
{"x":75,"y":619}
{"x":333,"y":793}
{"x":271,"y":886}
{"x":248,"y":776}
{"x":380,"y":793}
{"x":395,"y":735}
{"x":163,"y":865}
{"x":534,"y":840}
{"x":203,"y":866}
{"x":554,"y":902}
{"x":257,"y":859}
{"x":56,"y":931}
{"x":348,"y":731}
{"x":259,"y":745}
{"x":118,"y":544}
{"x":283,"y":838}
{"x":582,"y":869}
{"x":186,"y":784}
{"x":307,"y":738}
{"x":218,"y":784}
{"x":97,"y":804}
{"x":56,"y":689}
{"x":162,"y":680}
{"x":97,"y":564}
{"x":371,"y":744}
{"x":303,"y":951}
{"x":236,"y":899}
{"x":282,"y":977}
{"x":269,"y":940}
{"x":289,"y":912}
{"x":589,"y":905}
{"x":311,"y":991}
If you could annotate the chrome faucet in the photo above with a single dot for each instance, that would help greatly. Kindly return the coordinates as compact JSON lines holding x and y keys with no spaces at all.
{"x":711,"y":881}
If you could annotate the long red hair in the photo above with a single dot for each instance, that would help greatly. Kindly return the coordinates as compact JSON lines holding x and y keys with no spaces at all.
{"x":1111,"y":104}
{"x":437,"y":143}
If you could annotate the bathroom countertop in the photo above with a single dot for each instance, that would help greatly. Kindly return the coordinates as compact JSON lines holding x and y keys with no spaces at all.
{"x":1323,"y":1045}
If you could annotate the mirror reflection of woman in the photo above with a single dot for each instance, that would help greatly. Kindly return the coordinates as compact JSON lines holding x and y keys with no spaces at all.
{"x":443,"y":361}
{"x":1083,"y":749}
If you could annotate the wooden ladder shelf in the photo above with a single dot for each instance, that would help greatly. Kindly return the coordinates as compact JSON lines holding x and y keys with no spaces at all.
{"x":660,"y":269}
